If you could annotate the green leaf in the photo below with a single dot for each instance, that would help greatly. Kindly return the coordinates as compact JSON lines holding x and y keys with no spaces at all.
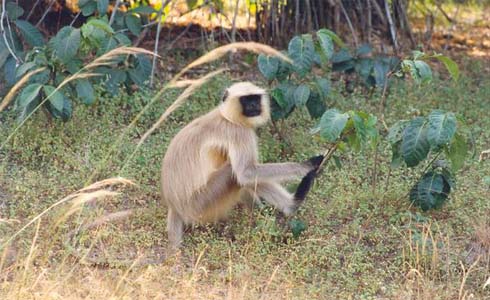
{"x":364,"y":50}
{"x":431,"y":191}
{"x":89,"y":8}
{"x":30,"y":33}
{"x":415,"y":145}
{"x":342,"y":61}
{"x":301,"y":94}
{"x":457,"y":152}
{"x":332,"y":124}
{"x":28,"y":100}
{"x":297,"y":227}
{"x":14,"y":11}
{"x":302,"y":50}
{"x":122,"y":39}
{"x":9,"y":70}
{"x":56,"y":98}
{"x":24,"y":68}
{"x":191,"y":4}
{"x":133,"y":23}
{"x":381,"y":69}
{"x":116,"y":77}
{"x":66,"y":43}
{"x":332,"y":35}
{"x":451,"y":66}
{"x":4,"y":52}
{"x":85,"y":91}
{"x":65,"y":113}
{"x":323,"y":87}
{"x":142,"y":71}
{"x":101,"y":24}
{"x":315,"y":105}
{"x":144,"y":9}
{"x":423,"y":70}
{"x":364,"y":67}
{"x":395,"y":133}
{"x":326,"y":44}
{"x":268,"y":66}
{"x":102,"y":6}
{"x":442,"y":127}
{"x":396,"y":157}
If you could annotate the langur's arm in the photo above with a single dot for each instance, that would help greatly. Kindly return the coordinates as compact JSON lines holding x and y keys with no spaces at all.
{"x":248,"y":171}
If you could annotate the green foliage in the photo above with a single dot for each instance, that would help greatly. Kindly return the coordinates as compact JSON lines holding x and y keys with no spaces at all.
{"x":354,"y":128}
{"x":421,"y":72}
{"x":65,"y":54}
{"x":295,"y":85}
{"x":412,"y":142}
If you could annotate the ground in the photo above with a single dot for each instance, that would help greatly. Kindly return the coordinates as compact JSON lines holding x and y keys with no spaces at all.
{"x":361,"y":241}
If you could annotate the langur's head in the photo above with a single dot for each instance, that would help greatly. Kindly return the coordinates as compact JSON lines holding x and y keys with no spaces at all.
{"x":246,"y":104}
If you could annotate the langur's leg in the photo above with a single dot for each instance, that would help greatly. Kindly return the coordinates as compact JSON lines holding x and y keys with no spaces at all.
{"x":175,"y":229}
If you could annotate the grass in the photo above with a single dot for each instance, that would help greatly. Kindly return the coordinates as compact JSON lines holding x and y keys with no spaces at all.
{"x":358,"y":244}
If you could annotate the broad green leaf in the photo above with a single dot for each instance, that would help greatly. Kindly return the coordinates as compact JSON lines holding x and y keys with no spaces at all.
{"x":364,"y":50}
{"x":342,"y":56}
{"x":144,"y":9}
{"x":102,"y":6}
{"x":457,"y":152}
{"x":85,"y":91}
{"x":396,"y":157}
{"x":441,"y":128}
{"x":332,"y":124}
{"x":323,"y":87}
{"x":28,"y":100}
{"x":191,"y":4}
{"x":28,"y":94}
{"x":89,"y":8}
{"x":302,"y":50}
{"x":315,"y":105}
{"x":364,"y":67}
{"x":268,"y":66}
{"x":332,"y":35}
{"x":297,"y":227}
{"x":451,"y":66}
{"x":142,"y":70}
{"x":4,"y":52}
{"x":423,"y":70}
{"x":24,"y":68}
{"x":326,"y":44}
{"x":122,"y":39}
{"x":30,"y":33}
{"x":381,"y":69}
{"x":431,"y":191}
{"x":395,"y":133}
{"x":66,"y":43}
{"x":56,"y":98}
{"x":115,"y":78}
{"x":301,"y":94}
{"x":133,"y":23}
{"x":9,"y":70}
{"x":415,"y":145}
{"x":82,"y":3}
{"x":14,"y":11}
{"x":65,"y":113}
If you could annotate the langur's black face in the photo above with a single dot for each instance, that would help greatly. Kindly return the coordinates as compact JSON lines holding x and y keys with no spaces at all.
{"x":251,"y":105}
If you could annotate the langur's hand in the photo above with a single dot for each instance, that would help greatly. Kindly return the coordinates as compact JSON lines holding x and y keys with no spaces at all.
{"x":316,"y":161}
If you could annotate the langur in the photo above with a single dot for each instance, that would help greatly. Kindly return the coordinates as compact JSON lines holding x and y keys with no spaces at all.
{"x":213,"y":162}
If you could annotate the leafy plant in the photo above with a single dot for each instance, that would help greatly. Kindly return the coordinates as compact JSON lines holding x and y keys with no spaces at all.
{"x":440,"y":134}
{"x":296,"y":84}
{"x":65,"y":55}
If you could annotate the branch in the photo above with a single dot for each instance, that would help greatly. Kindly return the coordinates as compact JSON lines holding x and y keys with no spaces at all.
{"x":4,"y":33}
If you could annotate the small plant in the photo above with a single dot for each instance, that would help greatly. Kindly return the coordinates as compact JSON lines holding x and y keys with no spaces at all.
{"x":441,"y":135}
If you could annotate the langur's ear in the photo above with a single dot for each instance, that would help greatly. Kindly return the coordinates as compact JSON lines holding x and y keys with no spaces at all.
{"x":225,"y":95}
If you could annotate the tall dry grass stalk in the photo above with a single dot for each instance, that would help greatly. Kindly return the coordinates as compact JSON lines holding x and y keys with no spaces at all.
{"x":13,"y":91}
{"x":85,"y":72}
{"x":78,"y":198}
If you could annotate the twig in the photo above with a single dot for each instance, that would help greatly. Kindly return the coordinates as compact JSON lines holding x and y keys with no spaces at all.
{"x":114,"y":11}
{"x":75,"y":18}
{"x":45,"y":13}
{"x":159,"y":28}
{"x":32,"y":9}
{"x":349,"y":23}
{"x":4,"y":33}
{"x":327,"y":155}
{"x":392,"y":26}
